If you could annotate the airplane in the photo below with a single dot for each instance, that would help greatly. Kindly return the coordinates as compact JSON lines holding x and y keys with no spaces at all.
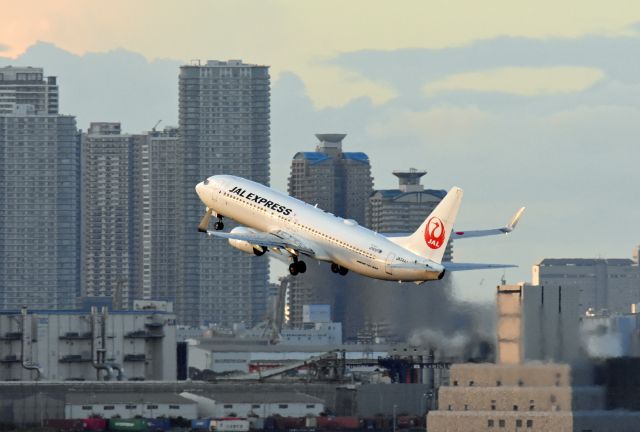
{"x":292,"y":229}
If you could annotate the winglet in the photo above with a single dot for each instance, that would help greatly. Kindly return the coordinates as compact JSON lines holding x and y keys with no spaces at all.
{"x":514,"y":221}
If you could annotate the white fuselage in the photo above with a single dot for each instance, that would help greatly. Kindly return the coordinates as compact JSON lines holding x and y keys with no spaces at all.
{"x":332,"y":239}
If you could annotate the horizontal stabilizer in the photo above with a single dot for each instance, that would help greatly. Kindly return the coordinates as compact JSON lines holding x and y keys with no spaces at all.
{"x":451,"y":266}
{"x":458,"y":235}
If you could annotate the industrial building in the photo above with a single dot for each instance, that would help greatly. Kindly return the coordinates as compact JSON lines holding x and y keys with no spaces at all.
{"x":532,"y":397}
{"x":87,"y":345}
{"x":604,"y":285}
{"x":537,"y":323}
{"x":39,"y":190}
{"x":224,"y":118}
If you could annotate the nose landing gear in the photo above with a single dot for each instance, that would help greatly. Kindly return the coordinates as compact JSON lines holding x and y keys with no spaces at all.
{"x":219,"y":226}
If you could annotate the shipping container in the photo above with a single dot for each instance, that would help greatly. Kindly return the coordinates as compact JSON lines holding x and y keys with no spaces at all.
{"x":158,"y":425}
{"x":200,"y":424}
{"x":96,"y":424}
{"x":338,"y":423}
{"x":230,"y":425}
{"x":64,"y":424}
{"x":132,"y":425}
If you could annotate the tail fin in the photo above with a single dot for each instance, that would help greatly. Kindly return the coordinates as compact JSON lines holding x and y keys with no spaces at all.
{"x":430,"y":240}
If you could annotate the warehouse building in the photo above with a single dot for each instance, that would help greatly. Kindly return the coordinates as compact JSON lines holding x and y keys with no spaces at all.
{"x":128,"y":405}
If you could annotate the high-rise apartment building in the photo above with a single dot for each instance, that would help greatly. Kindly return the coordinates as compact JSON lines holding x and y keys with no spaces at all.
{"x":158,"y":179}
{"x":109,"y":201}
{"x":404,"y":209}
{"x":27,"y":86}
{"x":338,"y":182}
{"x":224,"y":126}
{"x":39,"y":208}
{"x":602,"y":284}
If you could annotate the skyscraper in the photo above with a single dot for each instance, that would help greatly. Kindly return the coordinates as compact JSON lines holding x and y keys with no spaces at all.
{"x":39,"y":208}
{"x":404,"y":209}
{"x":224,"y":126}
{"x":338,"y":182}
{"x":158,"y":177}
{"x":27,"y":86}
{"x":109,"y":221}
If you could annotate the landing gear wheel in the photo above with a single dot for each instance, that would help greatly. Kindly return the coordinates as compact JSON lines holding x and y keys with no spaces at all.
{"x":218,"y":226}
{"x":293,"y":269}
{"x":343,"y":271}
{"x":335,"y":267}
{"x":302,"y":267}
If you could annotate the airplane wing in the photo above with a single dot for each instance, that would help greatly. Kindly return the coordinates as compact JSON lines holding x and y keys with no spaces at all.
{"x":277,"y":239}
{"x":451,"y":266}
{"x":457,"y":235}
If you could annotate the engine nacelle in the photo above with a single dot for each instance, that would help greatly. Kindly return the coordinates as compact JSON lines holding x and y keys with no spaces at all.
{"x":245,"y":246}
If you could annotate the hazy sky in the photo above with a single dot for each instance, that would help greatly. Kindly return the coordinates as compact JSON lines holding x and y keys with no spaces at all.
{"x":519,"y":103}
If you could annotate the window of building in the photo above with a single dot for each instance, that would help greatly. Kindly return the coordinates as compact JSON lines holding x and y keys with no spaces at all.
{"x":283,"y":406}
{"x":311,"y":406}
{"x":498,"y":383}
{"x":529,"y":423}
{"x":450,"y":407}
{"x":501,"y":423}
{"x":471,"y":383}
{"x":228,"y":406}
{"x":466,"y":407}
{"x":174,"y":407}
{"x":490,"y":423}
{"x":152,"y":406}
{"x":87,"y":407}
{"x":455,"y":382}
{"x":515,"y":407}
{"x":108,"y":407}
{"x":532,"y":405}
{"x":520,"y":383}
{"x":255,"y":406}
{"x":493,"y":405}
{"x":131,"y":406}
{"x":518,"y":423}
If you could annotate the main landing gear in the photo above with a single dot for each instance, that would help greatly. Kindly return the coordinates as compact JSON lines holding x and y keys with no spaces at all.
{"x":297,"y":267}
{"x":204,"y":223}
{"x":339,"y":269}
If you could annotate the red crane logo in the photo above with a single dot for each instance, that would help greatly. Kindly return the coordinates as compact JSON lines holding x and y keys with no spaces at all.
{"x":434,"y":233}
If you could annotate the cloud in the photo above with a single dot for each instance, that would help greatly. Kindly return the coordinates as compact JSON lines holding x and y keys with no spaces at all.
{"x":3,"y":47}
{"x":519,"y":81}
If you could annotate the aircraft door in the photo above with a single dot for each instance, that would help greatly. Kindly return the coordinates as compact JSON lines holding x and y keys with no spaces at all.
{"x":387,"y":264}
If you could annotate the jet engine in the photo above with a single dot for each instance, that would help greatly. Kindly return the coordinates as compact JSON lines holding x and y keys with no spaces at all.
{"x":245,"y":246}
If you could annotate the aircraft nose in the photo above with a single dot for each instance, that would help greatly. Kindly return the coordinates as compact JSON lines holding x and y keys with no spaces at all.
{"x":201,"y":189}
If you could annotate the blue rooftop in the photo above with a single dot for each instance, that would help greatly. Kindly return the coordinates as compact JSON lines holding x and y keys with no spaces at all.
{"x":356,"y":156}
{"x":314,"y":157}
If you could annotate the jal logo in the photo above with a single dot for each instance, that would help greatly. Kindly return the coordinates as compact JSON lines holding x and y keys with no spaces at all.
{"x":434,"y":233}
